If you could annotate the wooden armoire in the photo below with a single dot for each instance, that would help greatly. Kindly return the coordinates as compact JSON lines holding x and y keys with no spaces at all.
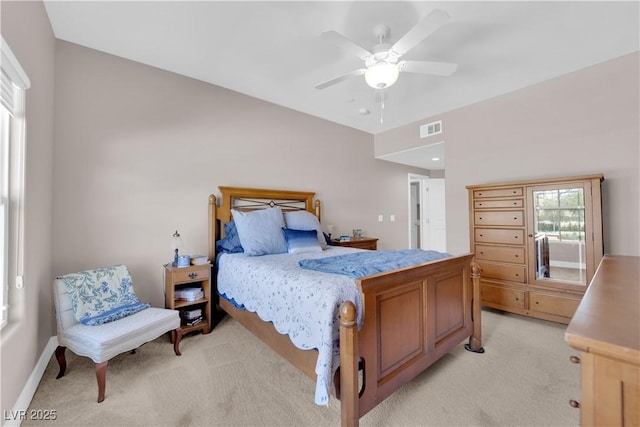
{"x":537,"y":243}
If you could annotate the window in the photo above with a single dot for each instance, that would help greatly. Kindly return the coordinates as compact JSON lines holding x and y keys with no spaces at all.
{"x":13,"y":83}
{"x":560,"y":213}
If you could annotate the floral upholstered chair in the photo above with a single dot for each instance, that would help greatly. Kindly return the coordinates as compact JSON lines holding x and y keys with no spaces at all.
{"x":99,"y":316}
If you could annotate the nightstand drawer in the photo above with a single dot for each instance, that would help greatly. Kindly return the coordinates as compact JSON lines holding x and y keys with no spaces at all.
{"x":190,"y":274}
{"x":370,"y":243}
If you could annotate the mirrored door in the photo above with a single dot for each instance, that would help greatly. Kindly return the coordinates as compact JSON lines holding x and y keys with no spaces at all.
{"x":559,"y":244}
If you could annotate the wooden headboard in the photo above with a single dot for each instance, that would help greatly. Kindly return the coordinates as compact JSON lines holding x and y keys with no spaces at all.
{"x":248,"y":199}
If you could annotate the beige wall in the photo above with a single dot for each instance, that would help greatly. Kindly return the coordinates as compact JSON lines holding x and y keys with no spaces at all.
{"x":139,"y":150}
{"x":26,"y":29}
{"x":581,"y":123}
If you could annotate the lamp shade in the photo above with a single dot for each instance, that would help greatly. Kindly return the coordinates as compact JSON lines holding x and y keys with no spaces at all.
{"x":381,"y":75}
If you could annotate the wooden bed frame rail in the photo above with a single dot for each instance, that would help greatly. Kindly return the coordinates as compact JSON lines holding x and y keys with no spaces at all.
{"x":412,"y":317}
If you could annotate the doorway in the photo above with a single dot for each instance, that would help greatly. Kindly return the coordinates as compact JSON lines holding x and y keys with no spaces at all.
{"x":427,"y":213}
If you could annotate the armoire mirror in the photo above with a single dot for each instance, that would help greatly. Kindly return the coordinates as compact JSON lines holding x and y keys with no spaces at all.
{"x":559,"y":224}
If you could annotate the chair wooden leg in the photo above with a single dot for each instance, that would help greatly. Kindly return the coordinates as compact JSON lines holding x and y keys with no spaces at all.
{"x":101,"y":375}
{"x":176,"y":335}
{"x":62,"y":360}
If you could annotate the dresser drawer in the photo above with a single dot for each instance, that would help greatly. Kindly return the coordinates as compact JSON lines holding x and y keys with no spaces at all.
{"x":489,"y":204}
{"x":502,"y":192}
{"x":513,"y":273}
{"x":503,"y":218}
{"x":190,"y":274}
{"x":493,"y":235}
{"x":501,"y":296}
{"x":500,"y":253}
{"x":553,"y":304}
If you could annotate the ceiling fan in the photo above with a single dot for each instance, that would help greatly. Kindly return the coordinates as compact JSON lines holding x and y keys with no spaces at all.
{"x":382,"y":66}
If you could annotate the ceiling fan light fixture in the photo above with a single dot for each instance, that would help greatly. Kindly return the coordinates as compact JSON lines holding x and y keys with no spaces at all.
{"x":381,"y":75}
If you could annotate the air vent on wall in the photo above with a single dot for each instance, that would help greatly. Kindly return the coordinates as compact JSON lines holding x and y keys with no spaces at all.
{"x":430,"y":129}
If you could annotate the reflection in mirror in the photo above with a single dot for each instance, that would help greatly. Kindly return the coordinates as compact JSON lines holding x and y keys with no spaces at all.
{"x":560,"y":235}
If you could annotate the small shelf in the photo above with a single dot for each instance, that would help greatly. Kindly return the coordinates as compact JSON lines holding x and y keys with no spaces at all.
{"x":181,"y":303}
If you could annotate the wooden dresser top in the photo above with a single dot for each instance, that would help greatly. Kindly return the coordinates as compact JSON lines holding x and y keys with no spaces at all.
{"x":608,"y":319}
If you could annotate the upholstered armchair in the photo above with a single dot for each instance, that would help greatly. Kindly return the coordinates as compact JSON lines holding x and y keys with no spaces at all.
{"x":99,"y":316}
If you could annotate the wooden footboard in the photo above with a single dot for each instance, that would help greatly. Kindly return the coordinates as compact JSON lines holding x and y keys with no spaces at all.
{"x":412,"y":317}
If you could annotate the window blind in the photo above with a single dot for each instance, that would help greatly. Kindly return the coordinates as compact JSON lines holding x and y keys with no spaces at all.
{"x":12,"y":78}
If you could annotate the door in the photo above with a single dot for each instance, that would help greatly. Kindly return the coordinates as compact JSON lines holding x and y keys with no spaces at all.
{"x":437,"y":219}
{"x":427,"y":213}
{"x":414,"y":214}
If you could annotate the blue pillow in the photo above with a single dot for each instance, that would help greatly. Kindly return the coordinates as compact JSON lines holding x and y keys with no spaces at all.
{"x":301,"y":241}
{"x":260,"y":231}
{"x":303,"y":220}
{"x":231,"y":242}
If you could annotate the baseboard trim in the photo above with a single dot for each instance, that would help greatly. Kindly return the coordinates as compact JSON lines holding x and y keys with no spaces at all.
{"x":29,"y":390}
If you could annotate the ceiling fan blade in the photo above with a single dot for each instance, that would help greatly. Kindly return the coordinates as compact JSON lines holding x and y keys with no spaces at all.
{"x":421,"y":31}
{"x":341,"y":78}
{"x":428,"y":67}
{"x":346,"y":44}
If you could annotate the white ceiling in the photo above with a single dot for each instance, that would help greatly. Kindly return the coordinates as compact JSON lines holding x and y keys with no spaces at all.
{"x":273,"y":50}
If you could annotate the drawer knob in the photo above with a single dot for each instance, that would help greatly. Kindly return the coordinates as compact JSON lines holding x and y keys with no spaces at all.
{"x":574,"y":403}
{"x":193,"y":275}
{"x":515,"y":218}
{"x":517,"y":256}
{"x":515,"y":237}
{"x":480,"y":217}
{"x":482,"y":235}
{"x":575,"y":359}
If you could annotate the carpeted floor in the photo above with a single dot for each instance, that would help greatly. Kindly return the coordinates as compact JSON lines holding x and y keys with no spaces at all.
{"x":229,"y":378}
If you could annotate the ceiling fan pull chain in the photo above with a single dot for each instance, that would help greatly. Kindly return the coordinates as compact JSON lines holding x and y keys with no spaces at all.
{"x":381,"y":104}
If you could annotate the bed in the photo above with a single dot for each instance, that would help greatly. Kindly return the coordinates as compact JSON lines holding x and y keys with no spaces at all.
{"x":390,"y":328}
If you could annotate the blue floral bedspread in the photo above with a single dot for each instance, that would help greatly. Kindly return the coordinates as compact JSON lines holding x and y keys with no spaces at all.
{"x":367,"y":263}
{"x":102,"y":295}
{"x":302,"y":304}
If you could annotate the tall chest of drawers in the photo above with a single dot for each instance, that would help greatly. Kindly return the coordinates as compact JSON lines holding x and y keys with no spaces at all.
{"x":499,"y":244}
{"x":513,"y":255}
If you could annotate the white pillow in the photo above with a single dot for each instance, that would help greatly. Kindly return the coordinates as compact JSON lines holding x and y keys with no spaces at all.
{"x":260,"y":231}
{"x":304,"y":220}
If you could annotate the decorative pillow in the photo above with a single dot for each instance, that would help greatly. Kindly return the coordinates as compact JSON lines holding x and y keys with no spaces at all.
{"x":304,"y":220}
{"x":260,"y":231}
{"x":301,"y":241}
{"x":102,"y":295}
{"x":231,"y":242}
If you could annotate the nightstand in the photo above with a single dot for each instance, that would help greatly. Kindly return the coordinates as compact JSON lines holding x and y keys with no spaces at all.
{"x":370,"y":243}
{"x":187,"y":282}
